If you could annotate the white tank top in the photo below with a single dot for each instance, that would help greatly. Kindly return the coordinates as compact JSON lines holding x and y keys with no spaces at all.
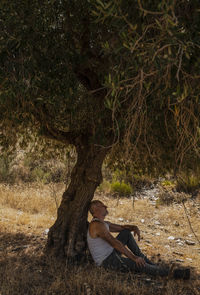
{"x":99,"y":248}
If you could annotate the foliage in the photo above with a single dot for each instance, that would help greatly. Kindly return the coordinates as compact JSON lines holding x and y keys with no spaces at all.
{"x":168,"y":183}
{"x":25,"y":166}
{"x":40,"y":176}
{"x":105,"y":187}
{"x":189,"y":183}
{"x":121,"y":188}
{"x":112,"y":73}
{"x":168,"y":197}
{"x":4,"y":168}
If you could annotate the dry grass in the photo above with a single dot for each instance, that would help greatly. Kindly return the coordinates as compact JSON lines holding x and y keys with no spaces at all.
{"x":27,"y":211}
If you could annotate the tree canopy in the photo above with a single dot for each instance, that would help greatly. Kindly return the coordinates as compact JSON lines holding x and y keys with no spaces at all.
{"x":126,"y":70}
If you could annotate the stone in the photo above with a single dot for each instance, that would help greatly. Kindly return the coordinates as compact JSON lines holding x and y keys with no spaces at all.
{"x":46,"y":231}
{"x":121,"y":219}
{"x":19,"y":248}
{"x":147,"y":241}
{"x":176,"y":223}
{"x":157,"y":234}
{"x":188,"y":242}
{"x":179,"y":260}
{"x":178,"y":253}
{"x":171,"y":238}
{"x":157,"y":222}
{"x":142,"y":220}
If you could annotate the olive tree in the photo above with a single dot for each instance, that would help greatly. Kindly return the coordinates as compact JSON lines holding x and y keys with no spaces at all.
{"x":103,"y":76}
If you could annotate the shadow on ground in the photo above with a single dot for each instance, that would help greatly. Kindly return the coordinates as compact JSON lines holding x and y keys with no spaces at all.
{"x":25,"y":269}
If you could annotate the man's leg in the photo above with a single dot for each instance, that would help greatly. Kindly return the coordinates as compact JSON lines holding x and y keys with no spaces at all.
{"x":128,"y":240}
{"x":149,"y":269}
{"x":116,"y":262}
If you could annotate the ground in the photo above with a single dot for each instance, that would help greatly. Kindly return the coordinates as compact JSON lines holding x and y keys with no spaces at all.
{"x":27,"y":211}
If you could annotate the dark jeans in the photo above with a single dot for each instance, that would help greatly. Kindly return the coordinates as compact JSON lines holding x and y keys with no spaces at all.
{"x":116,"y":262}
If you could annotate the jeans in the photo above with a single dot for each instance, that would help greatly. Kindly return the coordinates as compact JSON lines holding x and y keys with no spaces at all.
{"x":116,"y":262}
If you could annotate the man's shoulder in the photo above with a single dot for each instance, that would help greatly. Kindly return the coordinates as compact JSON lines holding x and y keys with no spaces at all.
{"x":97,"y":224}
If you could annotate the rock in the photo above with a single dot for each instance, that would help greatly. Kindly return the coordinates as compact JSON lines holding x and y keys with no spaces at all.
{"x":176,"y":223}
{"x":142,"y":220}
{"x":179,"y":260}
{"x":121,"y":219}
{"x":178,"y":253}
{"x":190,"y":259}
{"x":157,"y":222}
{"x":46,"y":231}
{"x":19,"y":248}
{"x":157,"y":234}
{"x":188,"y":242}
{"x":153,"y":202}
{"x":171,"y":238}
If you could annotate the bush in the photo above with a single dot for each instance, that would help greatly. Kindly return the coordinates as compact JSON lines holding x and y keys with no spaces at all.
{"x":5,"y":169}
{"x":105,"y":187}
{"x":121,"y":188}
{"x":39,"y":175}
{"x":170,"y":197}
{"x":188,"y":183}
{"x":168,"y":183}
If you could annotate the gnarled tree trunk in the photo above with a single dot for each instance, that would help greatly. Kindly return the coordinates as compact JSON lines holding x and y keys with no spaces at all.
{"x":67,"y":237}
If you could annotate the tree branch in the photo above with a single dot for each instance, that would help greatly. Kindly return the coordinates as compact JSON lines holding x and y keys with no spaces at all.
{"x":61,"y":136}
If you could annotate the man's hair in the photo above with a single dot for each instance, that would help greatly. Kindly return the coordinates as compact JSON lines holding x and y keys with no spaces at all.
{"x":92,"y":205}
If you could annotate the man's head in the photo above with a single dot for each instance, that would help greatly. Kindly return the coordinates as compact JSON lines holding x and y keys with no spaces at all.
{"x":98,"y":209}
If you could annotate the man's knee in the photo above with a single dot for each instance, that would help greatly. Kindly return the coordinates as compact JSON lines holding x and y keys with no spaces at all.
{"x":126,"y":232}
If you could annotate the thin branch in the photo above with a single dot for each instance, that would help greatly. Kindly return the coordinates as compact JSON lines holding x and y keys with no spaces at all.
{"x":189,"y":222}
{"x":61,"y":136}
{"x":160,"y":49}
{"x":148,"y":11}
{"x":179,"y":64}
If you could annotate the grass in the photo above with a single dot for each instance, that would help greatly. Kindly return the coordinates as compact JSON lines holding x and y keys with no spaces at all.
{"x":27,"y":211}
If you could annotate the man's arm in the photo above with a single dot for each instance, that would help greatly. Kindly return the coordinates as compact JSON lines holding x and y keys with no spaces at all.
{"x":117,"y":228}
{"x":102,"y":232}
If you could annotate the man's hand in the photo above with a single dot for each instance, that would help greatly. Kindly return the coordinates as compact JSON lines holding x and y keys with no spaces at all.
{"x":140,"y":261}
{"x":136,"y":231}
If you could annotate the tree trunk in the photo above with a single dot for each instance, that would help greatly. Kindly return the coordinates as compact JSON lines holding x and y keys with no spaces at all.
{"x":67,"y":237}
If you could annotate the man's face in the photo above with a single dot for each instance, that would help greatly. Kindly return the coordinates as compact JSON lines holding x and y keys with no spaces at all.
{"x":102,"y":209}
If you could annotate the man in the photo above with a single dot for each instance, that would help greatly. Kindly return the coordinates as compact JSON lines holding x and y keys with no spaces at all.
{"x":107,"y":250}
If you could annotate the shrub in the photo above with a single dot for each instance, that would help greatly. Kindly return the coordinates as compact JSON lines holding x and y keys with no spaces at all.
{"x":169,"y":197}
{"x":121,"y":188}
{"x":188,"y":183}
{"x":39,"y":175}
{"x":168,"y":183}
{"x":105,"y":187}
{"x":5,"y":169}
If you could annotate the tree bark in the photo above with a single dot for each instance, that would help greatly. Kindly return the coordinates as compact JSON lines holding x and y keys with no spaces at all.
{"x":67,"y":237}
